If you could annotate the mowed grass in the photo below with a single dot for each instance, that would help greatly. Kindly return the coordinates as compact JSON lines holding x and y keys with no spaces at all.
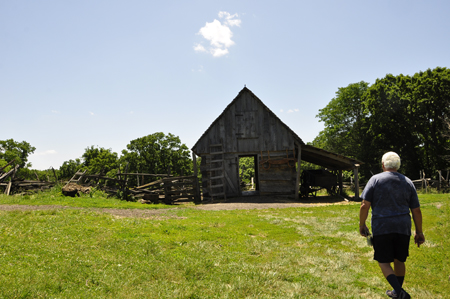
{"x":311,"y":252}
{"x":96,"y":199}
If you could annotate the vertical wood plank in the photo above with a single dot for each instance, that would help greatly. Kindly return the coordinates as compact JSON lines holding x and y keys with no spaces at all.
{"x":8,"y":188}
{"x":194,"y":160}
{"x":341,"y":186}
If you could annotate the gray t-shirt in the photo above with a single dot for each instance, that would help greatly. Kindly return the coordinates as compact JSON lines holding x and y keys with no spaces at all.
{"x":391,"y":196}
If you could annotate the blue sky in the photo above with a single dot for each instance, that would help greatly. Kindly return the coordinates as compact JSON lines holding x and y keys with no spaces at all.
{"x":80,"y":73}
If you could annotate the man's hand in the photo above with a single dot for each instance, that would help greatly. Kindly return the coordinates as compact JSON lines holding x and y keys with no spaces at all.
{"x":364,"y":230}
{"x":419,"y":239}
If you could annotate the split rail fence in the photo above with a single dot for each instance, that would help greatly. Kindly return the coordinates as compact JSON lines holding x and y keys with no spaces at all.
{"x":13,"y":184}
{"x":165,"y":188}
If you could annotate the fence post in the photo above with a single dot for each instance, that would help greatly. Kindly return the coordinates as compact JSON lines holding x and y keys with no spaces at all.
{"x":425,"y":181}
{"x":440,"y":180}
{"x":355,"y":171}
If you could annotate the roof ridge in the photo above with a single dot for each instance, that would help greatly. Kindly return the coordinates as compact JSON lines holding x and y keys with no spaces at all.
{"x":245,"y":89}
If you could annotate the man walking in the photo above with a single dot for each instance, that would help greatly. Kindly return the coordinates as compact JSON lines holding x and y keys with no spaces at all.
{"x":391,"y":196}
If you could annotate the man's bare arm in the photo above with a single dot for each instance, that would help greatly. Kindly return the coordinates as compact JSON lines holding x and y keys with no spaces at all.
{"x":363,"y":214}
{"x":419,"y":238}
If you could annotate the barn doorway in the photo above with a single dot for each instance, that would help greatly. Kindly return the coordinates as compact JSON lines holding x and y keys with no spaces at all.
{"x":248,"y":175}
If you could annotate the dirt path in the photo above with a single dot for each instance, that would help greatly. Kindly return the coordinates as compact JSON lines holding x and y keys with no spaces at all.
{"x":241,"y":203}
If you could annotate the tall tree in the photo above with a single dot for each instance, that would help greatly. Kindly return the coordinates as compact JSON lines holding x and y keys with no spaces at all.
{"x":69,"y":168}
{"x":400,"y":113}
{"x":97,"y":159}
{"x":406,"y":115}
{"x":390,"y":114}
{"x":431,"y":92}
{"x":344,"y":121}
{"x":156,"y":153}
{"x":10,"y":149}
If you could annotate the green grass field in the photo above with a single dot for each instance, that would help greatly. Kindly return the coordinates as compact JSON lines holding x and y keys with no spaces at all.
{"x":311,"y":252}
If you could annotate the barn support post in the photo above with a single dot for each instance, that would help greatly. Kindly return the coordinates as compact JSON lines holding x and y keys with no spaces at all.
{"x":197,"y":193}
{"x":355,"y":171}
{"x":299,"y":163}
{"x":341,"y":191}
{"x":194,"y":160}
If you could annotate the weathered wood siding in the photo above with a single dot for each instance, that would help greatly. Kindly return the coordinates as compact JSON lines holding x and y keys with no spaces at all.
{"x":231,"y":175}
{"x":277,"y":178}
{"x":246,"y":126}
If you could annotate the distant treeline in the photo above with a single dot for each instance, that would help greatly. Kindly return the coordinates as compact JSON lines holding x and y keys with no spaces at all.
{"x":406,"y":114}
{"x":156,"y":154}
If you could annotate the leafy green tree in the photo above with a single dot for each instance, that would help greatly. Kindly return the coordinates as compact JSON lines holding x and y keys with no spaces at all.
{"x":406,"y":116}
{"x":4,"y":163}
{"x":344,"y":121}
{"x":446,"y":132}
{"x":69,"y":168}
{"x":10,"y":149}
{"x":391,"y":116}
{"x":400,"y":113}
{"x":98,"y":159}
{"x":247,"y":169}
{"x":431,"y":93}
{"x":156,"y":153}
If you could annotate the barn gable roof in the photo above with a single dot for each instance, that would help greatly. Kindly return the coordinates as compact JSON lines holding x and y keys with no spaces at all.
{"x":241,"y":93}
{"x":309,"y":153}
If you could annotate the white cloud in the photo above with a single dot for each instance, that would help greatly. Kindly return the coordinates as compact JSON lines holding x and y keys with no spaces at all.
{"x":234,"y":23}
{"x":218,"y":34}
{"x":290,"y":110}
{"x":49,"y":152}
{"x":91,"y":113}
{"x":54,"y":111}
{"x":199,"y":48}
{"x":217,"y":52}
{"x":229,"y":19}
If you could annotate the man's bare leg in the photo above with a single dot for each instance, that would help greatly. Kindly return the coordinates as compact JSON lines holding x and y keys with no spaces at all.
{"x":390,"y":276}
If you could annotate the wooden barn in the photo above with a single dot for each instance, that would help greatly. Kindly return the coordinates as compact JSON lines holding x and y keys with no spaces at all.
{"x":248,"y":128}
